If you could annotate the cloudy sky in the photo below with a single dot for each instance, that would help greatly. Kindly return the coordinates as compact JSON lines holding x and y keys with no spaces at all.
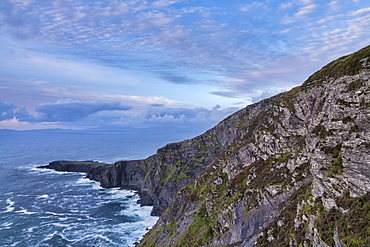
{"x":115,"y":63}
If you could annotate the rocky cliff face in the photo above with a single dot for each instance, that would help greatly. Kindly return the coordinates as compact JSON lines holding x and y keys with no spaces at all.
{"x":292,"y":170}
{"x":159,"y":177}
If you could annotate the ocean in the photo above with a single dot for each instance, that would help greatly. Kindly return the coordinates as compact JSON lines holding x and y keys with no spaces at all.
{"x":40,"y":207}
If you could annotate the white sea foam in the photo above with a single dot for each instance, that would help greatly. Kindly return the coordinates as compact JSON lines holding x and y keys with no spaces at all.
{"x":65,"y":218}
{"x":42,"y":196}
{"x":6,"y":224}
{"x":97,"y":236}
{"x":85,"y":181}
{"x":25,"y":211}
{"x":55,"y":214}
{"x":55,"y":233}
{"x":51,"y":171}
{"x":60,"y":225}
{"x":132,"y":231}
{"x":30,"y":229}
{"x":116,"y":193}
{"x":10,"y":207}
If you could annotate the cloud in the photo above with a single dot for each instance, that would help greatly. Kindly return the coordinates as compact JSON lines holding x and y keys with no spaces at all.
{"x":6,"y":111}
{"x":306,"y":10}
{"x":306,"y":2}
{"x":77,"y":114}
{"x":183,"y":116}
{"x":286,"y":5}
{"x":169,"y":43}
{"x":360,"y":11}
{"x":68,"y":111}
{"x":251,"y":6}
{"x":22,"y":115}
{"x":162,"y":3}
{"x":227,"y":94}
{"x":176,"y":78}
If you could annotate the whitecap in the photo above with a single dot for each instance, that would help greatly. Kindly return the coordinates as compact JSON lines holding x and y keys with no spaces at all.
{"x":7,"y":224}
{"x":25,"y":211}
{"x":30,"y":229}
{"x":64,"y":219}
{"x":19,"y":195}
{"x":60,"y":225}
{"x":10,"y":207}
{"x":55,"y":214}
{"x":42,"y":196}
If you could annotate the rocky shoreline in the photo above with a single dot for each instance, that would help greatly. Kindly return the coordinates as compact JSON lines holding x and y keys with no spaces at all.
{"x":122,"y":174}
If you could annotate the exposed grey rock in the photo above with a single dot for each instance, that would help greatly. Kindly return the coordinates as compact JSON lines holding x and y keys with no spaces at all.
{"x":275,"y":173}
{"x":297,"y":150}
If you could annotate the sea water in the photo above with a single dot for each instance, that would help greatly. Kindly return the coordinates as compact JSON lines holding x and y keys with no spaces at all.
{"x":40,"y":207}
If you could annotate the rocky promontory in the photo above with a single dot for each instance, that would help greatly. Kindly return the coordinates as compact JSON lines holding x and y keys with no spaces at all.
{"x":291,"y":170}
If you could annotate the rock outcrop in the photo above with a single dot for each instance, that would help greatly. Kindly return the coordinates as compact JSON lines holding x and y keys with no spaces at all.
{"x":297,"y":172}
{"x":123,"y":174}
{"x":292,"y":170}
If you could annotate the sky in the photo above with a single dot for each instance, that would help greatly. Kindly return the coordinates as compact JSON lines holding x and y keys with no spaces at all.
{"x":80,"y":64}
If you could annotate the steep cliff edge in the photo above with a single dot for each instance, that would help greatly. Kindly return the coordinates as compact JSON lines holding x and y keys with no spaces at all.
{"x":294,"y":172}
{"x":159,"y":177}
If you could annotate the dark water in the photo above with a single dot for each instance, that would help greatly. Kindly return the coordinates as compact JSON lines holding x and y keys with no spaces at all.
{"x":46,"y":208}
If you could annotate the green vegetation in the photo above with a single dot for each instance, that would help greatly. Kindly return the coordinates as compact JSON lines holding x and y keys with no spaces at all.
{"x":355,"y":85}
{"x":268,"y":177}
{"x":285,"y":99}
{"x":351,"y":221}
{"x":352,"y":224}
{"x":175,"y":173}
{"x":337,"y":161}
{"x":287,"y":233}
{"x":321,"y":131}
{"x":347,"y":65}
{"x":348,"y":119}
{"x":200,"y":230}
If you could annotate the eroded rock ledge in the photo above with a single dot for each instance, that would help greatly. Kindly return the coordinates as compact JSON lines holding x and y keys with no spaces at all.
{"x":123,"y":174}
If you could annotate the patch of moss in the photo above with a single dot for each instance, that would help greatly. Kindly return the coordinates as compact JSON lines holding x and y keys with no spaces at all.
{"x":200,"y":230}
{"x":321,"y":131}
{"x":285,"y":99}
{"x":166,"y":173}
{"x":348,"y":119}
{"x":352,"y":224}
{"x":337,"y":161}
{"x":355,"y":85}
{"x":198,"y":193}
{"x":287,"y":234}
{"x":197,"y":161}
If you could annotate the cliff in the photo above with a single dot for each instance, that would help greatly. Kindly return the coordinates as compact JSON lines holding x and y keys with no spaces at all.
{"x":296,"y":172}
{"x":292,"y":170}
